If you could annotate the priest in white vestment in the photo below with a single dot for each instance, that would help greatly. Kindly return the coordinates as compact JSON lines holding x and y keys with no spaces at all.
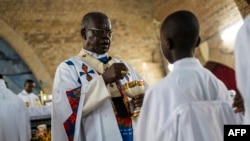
{"x":29,"y":98}
{"x":88,"y":101}
{"x":14,"y":117}
{"x":242,"y":65}
{"x":189,"y":81}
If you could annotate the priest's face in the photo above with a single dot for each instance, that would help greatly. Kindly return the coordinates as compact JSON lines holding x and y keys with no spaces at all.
{"x":98,"y":35}
{"x":29,"y":87}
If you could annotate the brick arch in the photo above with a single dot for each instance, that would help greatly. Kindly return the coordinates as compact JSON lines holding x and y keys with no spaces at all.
{"x":28,"y":55}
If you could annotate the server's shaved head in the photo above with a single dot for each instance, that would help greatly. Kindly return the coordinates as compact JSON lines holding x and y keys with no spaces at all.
{"x":179,"y":30}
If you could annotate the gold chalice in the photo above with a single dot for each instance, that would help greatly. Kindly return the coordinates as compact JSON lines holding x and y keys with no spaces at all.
{"x":133,"y":89}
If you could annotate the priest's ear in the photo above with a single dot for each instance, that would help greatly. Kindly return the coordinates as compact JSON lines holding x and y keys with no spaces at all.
{"x":198,"y":41}
{"x":83,"y":33}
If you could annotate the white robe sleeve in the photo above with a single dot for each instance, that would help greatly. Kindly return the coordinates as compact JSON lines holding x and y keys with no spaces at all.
{"x":14,"y":117}
{"x":64,"y":80}
{"x":96,"y":94}
{"x":147,"y":128}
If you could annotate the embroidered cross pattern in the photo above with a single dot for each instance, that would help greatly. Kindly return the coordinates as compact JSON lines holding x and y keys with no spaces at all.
{"x":69,"y":124}
{"x":85,"y":71}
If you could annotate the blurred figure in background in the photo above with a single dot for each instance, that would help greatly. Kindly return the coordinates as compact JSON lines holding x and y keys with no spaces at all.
{"x":14,"y":117}
{"x":242,"y":66}
{"x":27,"y":95}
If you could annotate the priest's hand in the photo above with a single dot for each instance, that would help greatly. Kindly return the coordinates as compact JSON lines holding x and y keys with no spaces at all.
{"x":138,"y":100}
{"x":115,"y":72}
{"x":238,"y":104}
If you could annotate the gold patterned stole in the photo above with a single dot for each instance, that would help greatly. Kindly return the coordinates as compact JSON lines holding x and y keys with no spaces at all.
{"x":100,"y":68}
{"x":94,"y":62}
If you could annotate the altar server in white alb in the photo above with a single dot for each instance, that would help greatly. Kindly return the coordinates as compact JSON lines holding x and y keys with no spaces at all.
{"x":88,"y":101}
{"x":27,"y":95}
{"x":242,"y":65}
{"x":189,"y":81}
{"x":14,"y":116}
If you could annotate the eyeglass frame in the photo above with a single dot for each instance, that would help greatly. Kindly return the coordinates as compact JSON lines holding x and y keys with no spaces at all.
{"x":108,"y":32}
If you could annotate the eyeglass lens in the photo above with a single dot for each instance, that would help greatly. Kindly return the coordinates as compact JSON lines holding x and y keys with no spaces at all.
{"x":101,"y":32}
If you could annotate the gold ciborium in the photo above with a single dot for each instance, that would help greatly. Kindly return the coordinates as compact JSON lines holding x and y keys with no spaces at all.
{"x":133,"y":89}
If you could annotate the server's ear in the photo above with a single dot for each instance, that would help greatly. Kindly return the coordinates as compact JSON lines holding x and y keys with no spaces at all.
{"x":170,"y":43}
{"x":198,"y":41}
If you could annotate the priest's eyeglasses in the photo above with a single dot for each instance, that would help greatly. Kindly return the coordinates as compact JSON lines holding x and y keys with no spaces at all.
{"x":101,"y":32}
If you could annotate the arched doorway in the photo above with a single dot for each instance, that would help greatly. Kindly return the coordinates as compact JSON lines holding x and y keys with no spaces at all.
{"x":14,"y":69}
{"x":23,"y":49}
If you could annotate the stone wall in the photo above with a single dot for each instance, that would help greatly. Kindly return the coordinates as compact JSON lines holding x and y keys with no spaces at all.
{"x":214,"y":16}
{"x":244,"y":7}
